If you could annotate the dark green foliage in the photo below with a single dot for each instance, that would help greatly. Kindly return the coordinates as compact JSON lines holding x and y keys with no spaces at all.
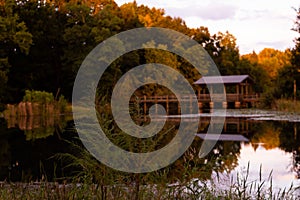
{"x":47,"y":42}
{"x":288,"y":77}
{"x":38,"y":97}
{"x":14,"y":40}
{"x":285,"y":82}
{"x":257,"y":73}
{"x":296,"y":50}
{"x":45,"y":99}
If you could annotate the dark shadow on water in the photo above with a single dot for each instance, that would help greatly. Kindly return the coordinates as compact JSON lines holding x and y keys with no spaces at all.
{"x":27,"y":147}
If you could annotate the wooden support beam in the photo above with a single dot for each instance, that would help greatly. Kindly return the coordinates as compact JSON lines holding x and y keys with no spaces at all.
{"x":156,"y":106}
{"x":145,"y":105}
{"x":191,"y":104}
{"x":237,"y":91}
{"x":247,"y":85}
{"x":167,"y":105}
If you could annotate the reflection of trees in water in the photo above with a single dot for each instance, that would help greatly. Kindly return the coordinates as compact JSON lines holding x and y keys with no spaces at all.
{"x":272,"y":134}
{"x":296,"y":163}
{"x":290,"y":142}
{"x":5,"y":156}
{"x":37,"y":127}
{"x":283,"y":135}
{"x":268,"y":135}
{"x":222,"y":158}
{"x":296,"y":151}
{"x":21,"y":160}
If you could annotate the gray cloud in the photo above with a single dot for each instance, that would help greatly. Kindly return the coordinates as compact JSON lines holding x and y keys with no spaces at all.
{"x":210,"y":11}
{"x":244,"y":14}
{"x":279,"y":44}
{"x":253,"y":14}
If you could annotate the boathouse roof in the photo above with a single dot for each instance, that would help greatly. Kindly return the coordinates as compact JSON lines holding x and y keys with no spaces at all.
{"x":232,"y":79}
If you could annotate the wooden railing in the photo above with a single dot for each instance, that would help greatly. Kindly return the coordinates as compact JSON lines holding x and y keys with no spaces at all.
{"x":201,"y":98}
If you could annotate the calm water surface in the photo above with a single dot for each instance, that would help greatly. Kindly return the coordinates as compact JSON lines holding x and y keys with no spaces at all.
{"x":270,"y":143}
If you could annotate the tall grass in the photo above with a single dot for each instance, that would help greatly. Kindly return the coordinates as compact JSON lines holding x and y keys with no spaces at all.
{"x":92,"y":180}
{"x":286,"y":105}
{"x":120,"y":188}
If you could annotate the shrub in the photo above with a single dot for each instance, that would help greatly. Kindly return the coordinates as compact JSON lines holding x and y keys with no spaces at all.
{"x":40,"y":97}
{"x":43,"y":99}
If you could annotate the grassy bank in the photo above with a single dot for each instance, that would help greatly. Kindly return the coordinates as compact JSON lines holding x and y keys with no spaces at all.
{"x":116,"y":186}
{"x":196,"y":189}
{"x":286,"y":105}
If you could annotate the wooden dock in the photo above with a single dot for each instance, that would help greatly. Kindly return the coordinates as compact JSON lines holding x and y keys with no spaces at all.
{"x":171,"y":102}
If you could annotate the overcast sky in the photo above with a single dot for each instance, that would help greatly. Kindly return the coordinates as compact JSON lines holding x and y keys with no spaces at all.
{"x":255,"y":23}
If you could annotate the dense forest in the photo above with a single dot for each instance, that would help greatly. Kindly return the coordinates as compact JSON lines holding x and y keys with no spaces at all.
{"x":43,"y":43}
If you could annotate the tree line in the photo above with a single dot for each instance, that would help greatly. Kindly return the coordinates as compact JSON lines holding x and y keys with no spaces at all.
{"x":43,"y":43}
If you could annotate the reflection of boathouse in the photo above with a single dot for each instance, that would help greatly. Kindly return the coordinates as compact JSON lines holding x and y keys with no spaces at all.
{"x":233,"y":128}
{"x":232,"y":125}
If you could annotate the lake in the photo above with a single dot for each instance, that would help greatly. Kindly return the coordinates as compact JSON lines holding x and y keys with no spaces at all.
{"x":263,"y":141}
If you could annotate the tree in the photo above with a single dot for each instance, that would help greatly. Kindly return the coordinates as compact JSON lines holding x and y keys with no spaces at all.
{"x":156,"y":18}
{"x":129,"y":13}
{"x":259,"y":75}
{"x":284,"y":82}
{"x":272,"y":60}
{"x":153,"y":55}
{"x":150,"y":17}
{"x":229,"y":54}
{"x":295,"y":60}
{"x":291,"y":72}
{"x":251,"y":57}
{"x":41,"y":68}
{"x":74,"y":28}
{"x":79,"y":39}
{"x":108,"y":22}
{"x":14,"y":39}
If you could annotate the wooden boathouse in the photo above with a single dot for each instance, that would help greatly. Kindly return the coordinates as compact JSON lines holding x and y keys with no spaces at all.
{"x":237,"y":88}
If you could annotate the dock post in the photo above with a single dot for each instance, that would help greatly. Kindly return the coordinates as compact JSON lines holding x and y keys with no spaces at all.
{"x":237,"y":104}
{"x":167,"y":104}
{"x":211,"y":105}
{"x":145,"y":105}
{"x":224,"y":104}
{"x":191,"y":104}
{"x":178,"y":105}
{"x":156,"y":106}
{"x":200,"y":105}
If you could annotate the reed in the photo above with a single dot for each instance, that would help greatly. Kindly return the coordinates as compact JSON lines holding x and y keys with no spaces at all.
{"x":117,"y":188}
{"x":38,"y":103}
{"x":287,"y":105}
